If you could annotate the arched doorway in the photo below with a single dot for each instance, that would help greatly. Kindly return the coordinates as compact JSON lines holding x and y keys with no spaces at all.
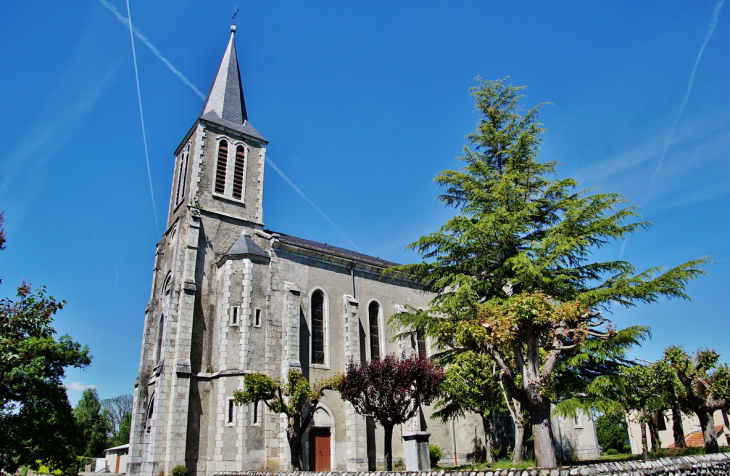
{"x":320,"y":439}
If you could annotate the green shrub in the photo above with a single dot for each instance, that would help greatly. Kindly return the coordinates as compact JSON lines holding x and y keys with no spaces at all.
{"x":435,"y":454}
{"x":611,"y":451}
{"x":179,"y":470}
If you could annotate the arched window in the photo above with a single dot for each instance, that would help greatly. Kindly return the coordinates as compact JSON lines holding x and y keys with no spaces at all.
{"x":184,"y":167}
{"x":421,"y":344}
{"x":220,"y":172}
{"x":179,"y":177}
{"x":373,"y":315}
{"x":238,"y":172}
{"x":318,"y":327}
{"x":160,"y":329}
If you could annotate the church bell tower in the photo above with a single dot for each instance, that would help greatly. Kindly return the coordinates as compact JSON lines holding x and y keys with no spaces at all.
{"x":188,"y":369}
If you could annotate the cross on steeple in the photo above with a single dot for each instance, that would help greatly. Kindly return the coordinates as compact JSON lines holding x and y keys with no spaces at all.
{"x":235,"y":13}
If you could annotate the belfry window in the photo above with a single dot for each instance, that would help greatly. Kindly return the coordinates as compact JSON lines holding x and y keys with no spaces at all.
{"x":373,"y":316}
{"x":318,"y":327}
{"x":238,"y":172}
{"x":230,"y":170}
{"x":220,"y":172}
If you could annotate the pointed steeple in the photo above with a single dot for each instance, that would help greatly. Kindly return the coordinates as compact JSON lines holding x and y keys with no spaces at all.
{"x":224,"y":104}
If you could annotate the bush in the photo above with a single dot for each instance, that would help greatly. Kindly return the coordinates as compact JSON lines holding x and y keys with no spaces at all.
{"x":179,"y":470}
{"x":612,"y":451}
{"x":435,"y":454}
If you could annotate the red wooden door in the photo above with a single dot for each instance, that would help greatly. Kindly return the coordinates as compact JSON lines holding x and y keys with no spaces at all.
{"x":319,"y":449}
{"x":119,"y":457}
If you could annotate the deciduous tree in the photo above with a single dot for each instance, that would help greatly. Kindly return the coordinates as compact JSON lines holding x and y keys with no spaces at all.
{"x":643,"y":391}
{"x":94,"y":424}
{"x":295,"y":398}
{"x":117,"y":409}
{"x":35,"y":416}
{"x":612,"y":432}
{"x":471,"y":384}
{"x":521,"y":245}
{"x":390,"y":390}
{"x":706,"y":387}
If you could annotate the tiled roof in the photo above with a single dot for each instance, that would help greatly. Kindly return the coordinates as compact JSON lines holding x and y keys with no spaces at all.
{"x":696,"y":439}
{"x":333,"y":250}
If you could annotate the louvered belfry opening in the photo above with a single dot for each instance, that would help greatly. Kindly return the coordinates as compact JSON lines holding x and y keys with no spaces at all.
{"x":220,"y":173}
{"x":238,"y":173}
{"x":318,"y":327}
{"x":373,"y":312}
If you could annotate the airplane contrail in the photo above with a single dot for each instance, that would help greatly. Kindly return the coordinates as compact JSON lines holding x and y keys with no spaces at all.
{"x":710,"y":31}
{"x":141,"y":116}
{"x":155,"y":51}
{"x":278,"y":171}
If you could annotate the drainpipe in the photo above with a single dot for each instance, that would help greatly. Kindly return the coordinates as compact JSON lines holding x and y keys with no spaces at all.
{"x":352,"y":275}
{"x":453,"y":438}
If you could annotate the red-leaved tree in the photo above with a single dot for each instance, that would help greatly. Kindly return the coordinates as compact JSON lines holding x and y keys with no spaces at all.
{"x":390,"y":390}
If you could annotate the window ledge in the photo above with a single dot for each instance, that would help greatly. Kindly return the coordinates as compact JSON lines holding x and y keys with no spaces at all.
{"x":227,"y":198}
{"x":320,"y":366}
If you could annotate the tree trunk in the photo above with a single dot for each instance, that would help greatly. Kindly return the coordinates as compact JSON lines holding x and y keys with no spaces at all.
{"x":519,"y":441}
{"x":656,"y":441}
{"x":707,"y":421}
{"x":677,"y":427}
{"x":488,"y":438}
{"x":295,"y":451}
{"x":542,"y":435}
{"x":388,"y":444}
{"x":642,"y":424}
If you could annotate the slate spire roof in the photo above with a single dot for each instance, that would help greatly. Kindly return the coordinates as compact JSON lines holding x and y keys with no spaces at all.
{"x":224,"y":104}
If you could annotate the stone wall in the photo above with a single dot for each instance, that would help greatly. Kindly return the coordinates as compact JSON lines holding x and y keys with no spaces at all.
{"x":703,"y":465}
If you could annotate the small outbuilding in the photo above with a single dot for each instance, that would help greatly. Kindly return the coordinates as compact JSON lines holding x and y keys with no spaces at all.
{"x":116,"y":458}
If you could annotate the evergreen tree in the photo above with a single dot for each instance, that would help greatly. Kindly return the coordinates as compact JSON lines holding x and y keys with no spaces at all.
{"x":93,"y":423}
{"x":516,"y":259}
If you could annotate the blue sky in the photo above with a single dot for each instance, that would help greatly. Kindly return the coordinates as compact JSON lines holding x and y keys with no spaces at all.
{"x":363,"y":103}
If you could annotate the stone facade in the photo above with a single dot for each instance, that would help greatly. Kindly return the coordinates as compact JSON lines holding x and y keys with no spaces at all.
{"x":230,"y":298}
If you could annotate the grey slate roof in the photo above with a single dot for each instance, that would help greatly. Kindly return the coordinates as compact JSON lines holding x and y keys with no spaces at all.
{"x":224,"y":104}
{"x":245,"y":246}
{"x":333,"y":250}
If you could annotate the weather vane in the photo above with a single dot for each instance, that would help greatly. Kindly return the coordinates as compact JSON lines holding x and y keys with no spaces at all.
{"x":234,"y":15}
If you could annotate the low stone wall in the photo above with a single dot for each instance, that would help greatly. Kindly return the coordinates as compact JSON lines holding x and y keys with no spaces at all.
{"x":703,"y":465}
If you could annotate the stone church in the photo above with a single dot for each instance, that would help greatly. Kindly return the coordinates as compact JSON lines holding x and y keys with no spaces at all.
{"x":230,"y":297}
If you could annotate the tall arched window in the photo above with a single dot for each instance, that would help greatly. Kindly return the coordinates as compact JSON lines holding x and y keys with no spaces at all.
{"x":184,"y":167}
{"x":220,"y":172}
{"x":160,"y":329}
{"x":421,"y":344}
{"x":318,"y":327}
{"x":373,"y":316}
{"x":238,"y":172}
{"x":179,"y":177}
